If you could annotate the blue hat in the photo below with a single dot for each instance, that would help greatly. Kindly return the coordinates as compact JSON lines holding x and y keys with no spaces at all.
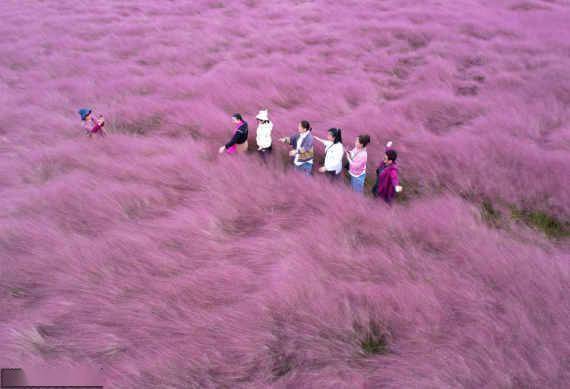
{"x":84,"y":112}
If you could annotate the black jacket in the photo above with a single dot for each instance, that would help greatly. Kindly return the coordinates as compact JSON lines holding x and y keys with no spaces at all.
{"x":240,"y":136}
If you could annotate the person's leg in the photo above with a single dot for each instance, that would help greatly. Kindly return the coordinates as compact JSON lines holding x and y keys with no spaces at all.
{"x":358,"y":183}
{"x":375,"y":188}
{"x":362,"y":182}
{"x":307,"y":168}
{"x":265,"y":153}
{"x":353,"y":183}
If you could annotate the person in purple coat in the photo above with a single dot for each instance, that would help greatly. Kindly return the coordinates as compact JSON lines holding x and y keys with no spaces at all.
{"x":387,"y":182}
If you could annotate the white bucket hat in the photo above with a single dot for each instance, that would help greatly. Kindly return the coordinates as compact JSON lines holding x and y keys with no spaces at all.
{"x":262,"y":115}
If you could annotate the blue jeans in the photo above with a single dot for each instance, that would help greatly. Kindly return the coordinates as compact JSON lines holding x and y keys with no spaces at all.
{"x":357,"y":183}
{"x":307,"y":168}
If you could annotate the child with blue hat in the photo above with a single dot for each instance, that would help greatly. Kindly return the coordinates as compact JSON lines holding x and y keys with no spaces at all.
{"x":90,"y":124}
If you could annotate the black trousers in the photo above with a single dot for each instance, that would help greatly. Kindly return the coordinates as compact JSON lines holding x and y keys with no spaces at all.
{"x":332,"y":175}
{"x":264,"y":153}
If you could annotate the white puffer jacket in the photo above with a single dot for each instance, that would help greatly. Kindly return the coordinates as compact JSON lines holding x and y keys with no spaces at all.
{"x":333,"y":156}
{"x":263,"y":135}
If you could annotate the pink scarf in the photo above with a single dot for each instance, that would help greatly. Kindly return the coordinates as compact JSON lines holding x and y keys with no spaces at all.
{"x":233,"y":149}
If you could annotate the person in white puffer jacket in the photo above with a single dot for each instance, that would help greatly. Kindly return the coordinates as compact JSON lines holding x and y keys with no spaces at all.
{"x":263,"y":135}
{"x":334,"y":151}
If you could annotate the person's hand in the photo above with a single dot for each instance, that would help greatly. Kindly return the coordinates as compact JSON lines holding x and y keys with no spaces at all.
{"x":398,"y":188}
{"x":389,"y":144}
{"x":322,"y":169}
{"x":292,"y":153}
{"x":222,"y":149}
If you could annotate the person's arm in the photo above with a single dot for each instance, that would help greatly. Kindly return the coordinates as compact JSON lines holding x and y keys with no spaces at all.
{"x":352,"y":155}
{"x":101,"y":124}
{"x":395,"y":180}
{"x":234,"y":139}
{"x":358,"y":162}
{"x":292,"y":141}
{"x":289,"y":140}
{"x":323,"y":141}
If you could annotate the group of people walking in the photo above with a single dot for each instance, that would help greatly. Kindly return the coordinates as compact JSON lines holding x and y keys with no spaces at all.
{"x":303,"y":152}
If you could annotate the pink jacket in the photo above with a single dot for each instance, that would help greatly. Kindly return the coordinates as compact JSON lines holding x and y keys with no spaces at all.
{"x":357,"y":162}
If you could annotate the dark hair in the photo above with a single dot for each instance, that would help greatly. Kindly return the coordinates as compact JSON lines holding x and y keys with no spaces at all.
{"x":237,"y":116}
{"x":306,"y":125}
{"x":263,"y":121}
{"x":392,"y":155}
{"x":336,"y":133}
{"x":364,"y":140}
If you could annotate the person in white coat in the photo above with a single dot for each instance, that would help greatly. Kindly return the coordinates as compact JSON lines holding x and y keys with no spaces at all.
{"x":263,"y":134}
{"x":334,"y":151}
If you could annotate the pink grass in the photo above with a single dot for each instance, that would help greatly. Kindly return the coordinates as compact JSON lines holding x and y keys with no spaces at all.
{"x":146,"y":255}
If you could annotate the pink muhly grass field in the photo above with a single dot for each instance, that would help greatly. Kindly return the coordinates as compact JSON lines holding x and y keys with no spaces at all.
{"x":150,"y":258}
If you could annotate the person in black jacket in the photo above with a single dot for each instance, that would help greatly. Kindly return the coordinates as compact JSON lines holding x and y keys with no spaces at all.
{"x":239,"y":140}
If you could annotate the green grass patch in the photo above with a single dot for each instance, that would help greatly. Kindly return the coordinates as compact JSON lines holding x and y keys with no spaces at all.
{"x":373,"y":338}
{"x":549,"y":225}
{"x":374,"y":345}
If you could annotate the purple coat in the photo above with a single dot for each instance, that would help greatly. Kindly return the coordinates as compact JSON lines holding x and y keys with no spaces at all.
{"x":387,"y":181}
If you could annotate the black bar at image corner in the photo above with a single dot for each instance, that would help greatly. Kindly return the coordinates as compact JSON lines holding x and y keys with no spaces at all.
{"x":11,"y":378}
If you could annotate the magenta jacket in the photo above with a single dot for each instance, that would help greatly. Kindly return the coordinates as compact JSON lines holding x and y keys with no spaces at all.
{"x":387,"y":181}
